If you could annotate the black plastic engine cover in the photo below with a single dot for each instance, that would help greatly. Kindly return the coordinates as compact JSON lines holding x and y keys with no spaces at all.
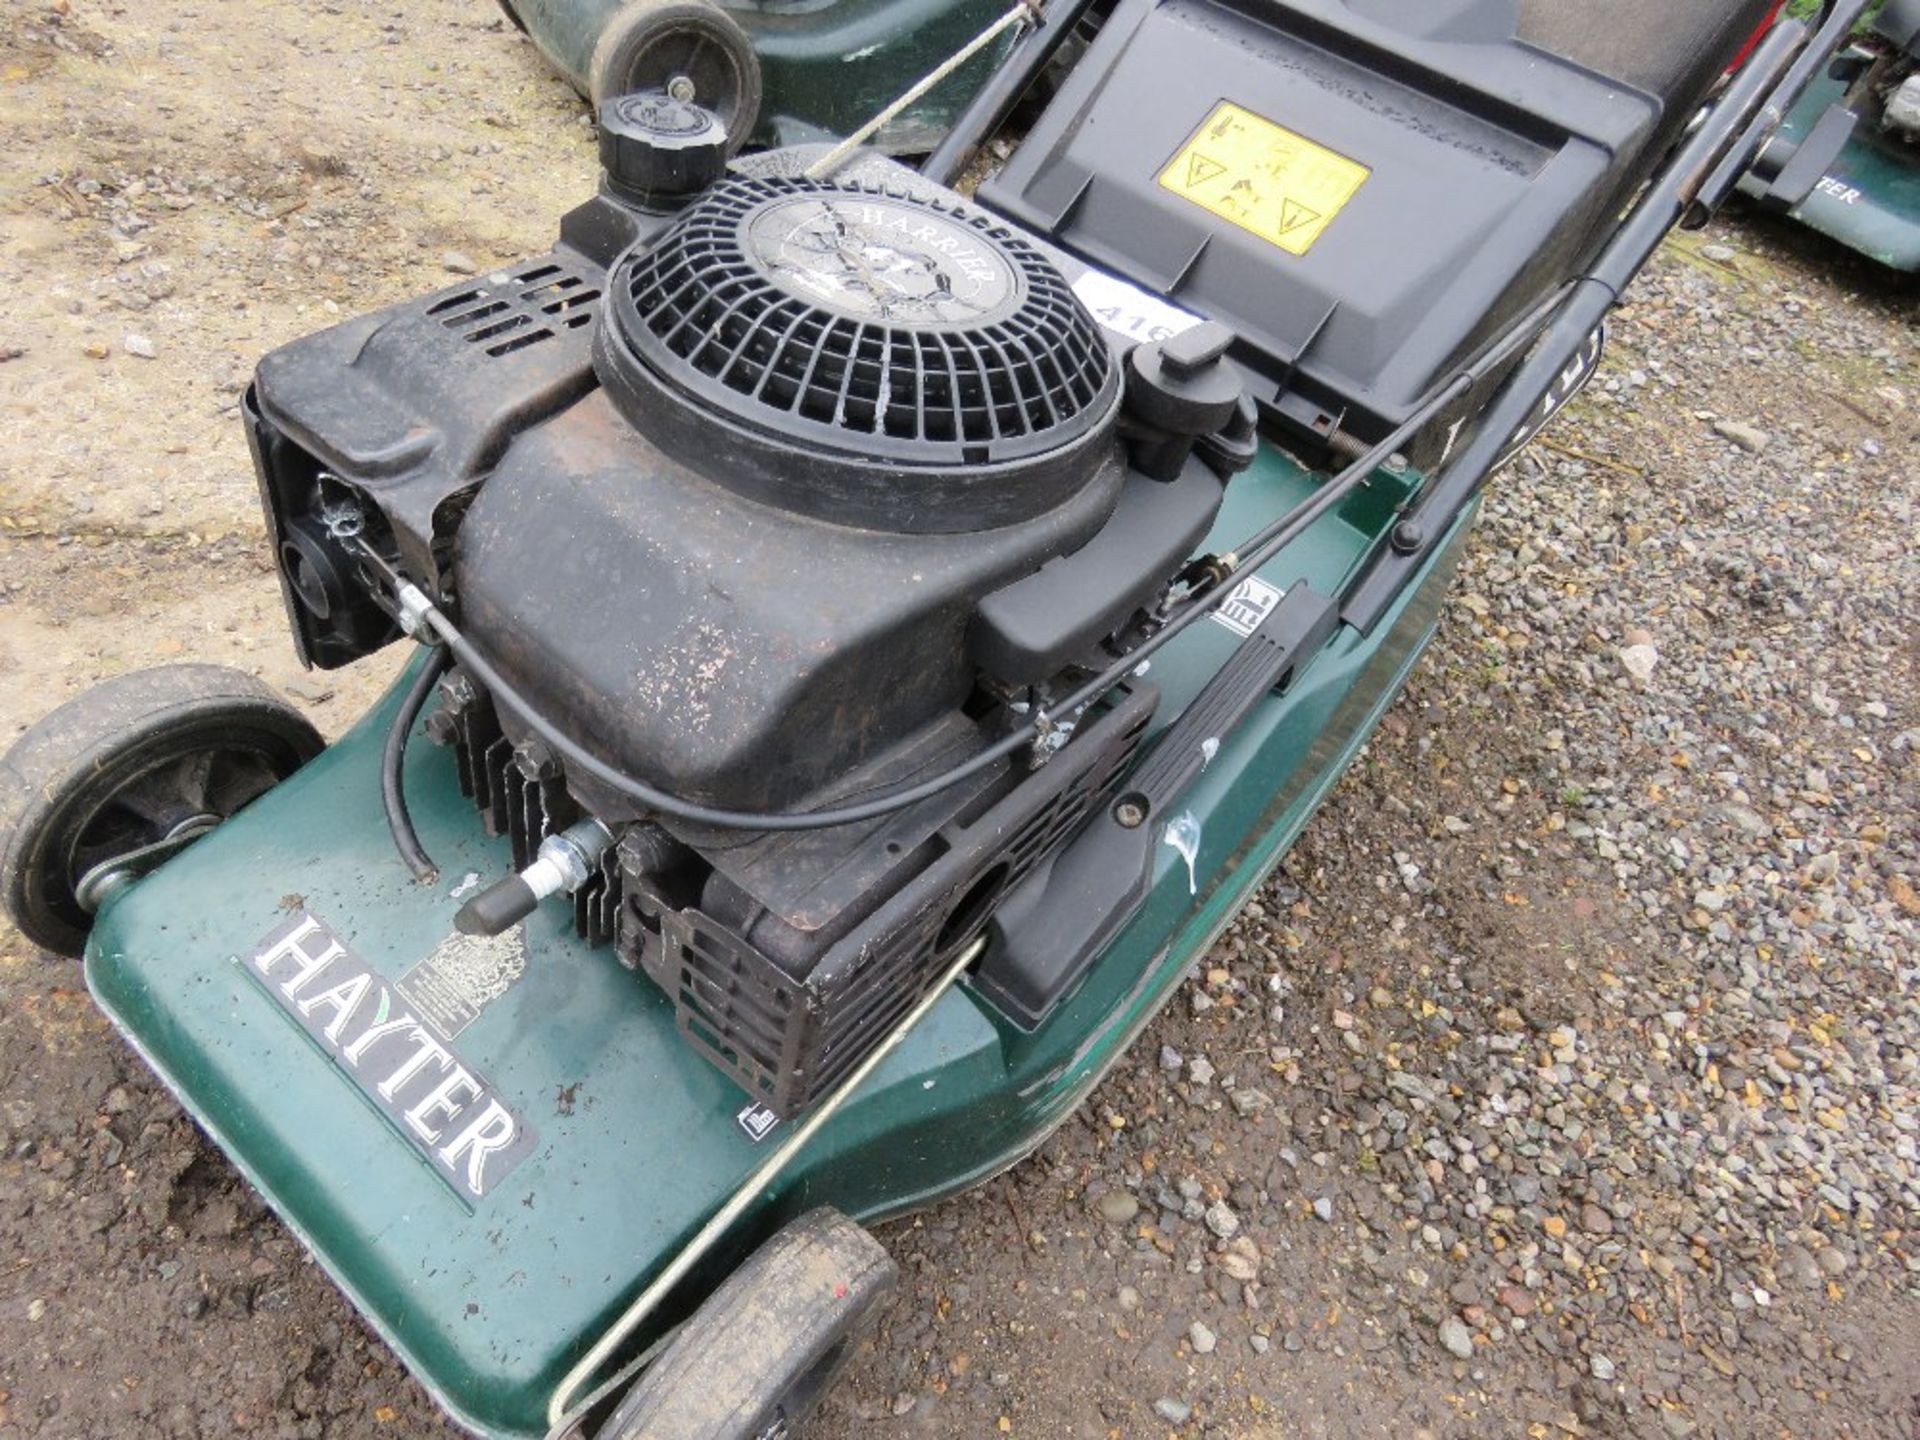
{"x":726,"y":650}
{"x":762,"y":519}
{"x":398,"y":415}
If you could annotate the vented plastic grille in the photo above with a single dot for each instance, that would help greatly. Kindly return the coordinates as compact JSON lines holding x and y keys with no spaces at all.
{"x":901,"y":318}
{"x":786,"y":1041}
{"x":510,"y":312}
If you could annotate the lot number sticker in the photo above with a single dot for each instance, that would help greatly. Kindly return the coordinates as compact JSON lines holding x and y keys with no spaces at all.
{"x":1264,"y":178}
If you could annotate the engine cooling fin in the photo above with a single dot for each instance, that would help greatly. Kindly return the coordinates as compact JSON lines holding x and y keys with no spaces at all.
{"x":871,"y":329}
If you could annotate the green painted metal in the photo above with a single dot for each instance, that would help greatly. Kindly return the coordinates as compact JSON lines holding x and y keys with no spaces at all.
{"x":1870,"y":198}
{"x":827,"y":66}
{"x":489,"y":1303}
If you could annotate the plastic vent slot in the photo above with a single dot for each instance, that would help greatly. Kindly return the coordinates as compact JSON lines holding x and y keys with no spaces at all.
{"x":518,"y":310}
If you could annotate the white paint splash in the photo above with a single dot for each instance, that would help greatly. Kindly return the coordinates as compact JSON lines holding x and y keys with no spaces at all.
{"x":1183,"y":834}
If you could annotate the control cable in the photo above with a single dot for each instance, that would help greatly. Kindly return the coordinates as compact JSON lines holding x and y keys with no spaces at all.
{"x":393,"y":793}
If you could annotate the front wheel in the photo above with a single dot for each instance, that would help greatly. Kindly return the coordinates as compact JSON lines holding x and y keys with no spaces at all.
{"x":754,"y":1361}
{"x":124,"y":776}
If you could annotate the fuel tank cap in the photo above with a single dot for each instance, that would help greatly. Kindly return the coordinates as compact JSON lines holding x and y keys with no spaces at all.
{"x":654,"y":148}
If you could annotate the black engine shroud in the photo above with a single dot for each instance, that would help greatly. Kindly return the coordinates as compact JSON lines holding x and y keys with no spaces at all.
{"x":798,"y":493}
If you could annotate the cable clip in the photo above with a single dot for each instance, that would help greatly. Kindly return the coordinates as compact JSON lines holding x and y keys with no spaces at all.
{"x":415,"y":607}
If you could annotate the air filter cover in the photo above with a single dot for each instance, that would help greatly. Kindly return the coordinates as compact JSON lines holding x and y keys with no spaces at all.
{"x":871,"y":357}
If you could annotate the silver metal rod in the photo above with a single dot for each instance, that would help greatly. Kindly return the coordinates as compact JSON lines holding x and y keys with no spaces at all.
{"x":1024,"y":12}
{"x":723,"y":1218}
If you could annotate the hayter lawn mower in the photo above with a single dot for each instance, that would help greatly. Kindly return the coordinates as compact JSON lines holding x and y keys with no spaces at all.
{"x":869,"y":640}
{"x":1856,"y":132}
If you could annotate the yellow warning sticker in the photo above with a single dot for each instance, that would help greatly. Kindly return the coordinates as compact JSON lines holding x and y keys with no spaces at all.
{"x":1264,"y":178}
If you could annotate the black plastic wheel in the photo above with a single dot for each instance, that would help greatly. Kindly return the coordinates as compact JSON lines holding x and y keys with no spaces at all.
{"x":692,"y":49}
{"x":154,"y":758}
{"x":754,"y":1361}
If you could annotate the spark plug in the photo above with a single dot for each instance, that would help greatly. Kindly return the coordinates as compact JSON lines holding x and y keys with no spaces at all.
{"x":563,"y":864}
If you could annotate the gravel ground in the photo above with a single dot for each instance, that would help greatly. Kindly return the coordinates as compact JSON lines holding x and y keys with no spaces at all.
{"x":1563,"y":1082}
{"x":1567,"y":1079}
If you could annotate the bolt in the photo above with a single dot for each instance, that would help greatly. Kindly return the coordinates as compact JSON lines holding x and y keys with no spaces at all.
{"x":1130,"y":813}
{"x":1408,"y":537}
{"x":1396,"y":464}
{"x":680,"y":87}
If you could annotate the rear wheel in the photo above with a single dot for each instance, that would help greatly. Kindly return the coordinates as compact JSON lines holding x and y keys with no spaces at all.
{"x":754,"y":1361}
{"x":690,"y":49}
{"x":126,"y":775}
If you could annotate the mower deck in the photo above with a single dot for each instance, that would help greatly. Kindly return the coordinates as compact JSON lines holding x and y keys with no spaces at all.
{"x":1869,"y":200}
{"x":635,"y":1140}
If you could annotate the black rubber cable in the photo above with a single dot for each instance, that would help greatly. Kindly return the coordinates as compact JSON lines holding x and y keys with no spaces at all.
{"x":573,"y":753}
{"x":393,"y":792}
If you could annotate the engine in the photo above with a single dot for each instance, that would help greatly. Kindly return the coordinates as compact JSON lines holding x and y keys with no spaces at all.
{"x":774,"y":493}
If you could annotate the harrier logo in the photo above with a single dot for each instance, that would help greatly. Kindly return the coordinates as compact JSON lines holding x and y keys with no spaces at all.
{"x":885,"y":258}
{"x":444,"y":1109}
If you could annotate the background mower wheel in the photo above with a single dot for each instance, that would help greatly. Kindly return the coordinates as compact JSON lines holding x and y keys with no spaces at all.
{"x":691,"y":49}
{"x":126,"y":774}
{"x":754,"y":1360}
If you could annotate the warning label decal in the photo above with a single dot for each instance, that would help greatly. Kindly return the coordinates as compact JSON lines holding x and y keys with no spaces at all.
{"x":1264,"y":178}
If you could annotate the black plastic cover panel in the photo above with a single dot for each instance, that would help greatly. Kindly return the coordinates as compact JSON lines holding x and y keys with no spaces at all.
{"x":1362,"y":189}
{"x":1666,"y":49}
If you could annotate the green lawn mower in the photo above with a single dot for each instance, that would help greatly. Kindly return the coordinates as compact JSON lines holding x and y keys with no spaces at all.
{"x":868,"y":641}
{"x":1856,"y":133}
{"x":775,"y":72}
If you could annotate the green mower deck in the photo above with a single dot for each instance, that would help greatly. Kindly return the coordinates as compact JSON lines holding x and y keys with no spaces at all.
{"x":634,"y":1140}
{"x":1869,"y":199}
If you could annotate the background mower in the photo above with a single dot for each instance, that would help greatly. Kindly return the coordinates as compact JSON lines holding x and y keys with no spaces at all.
{"x":870,"y":641}
{"x":1856,"y":130}
{"x":774,"y":72}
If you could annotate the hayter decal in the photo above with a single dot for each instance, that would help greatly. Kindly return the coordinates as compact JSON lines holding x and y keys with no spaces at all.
{"x":443,"y":1108}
